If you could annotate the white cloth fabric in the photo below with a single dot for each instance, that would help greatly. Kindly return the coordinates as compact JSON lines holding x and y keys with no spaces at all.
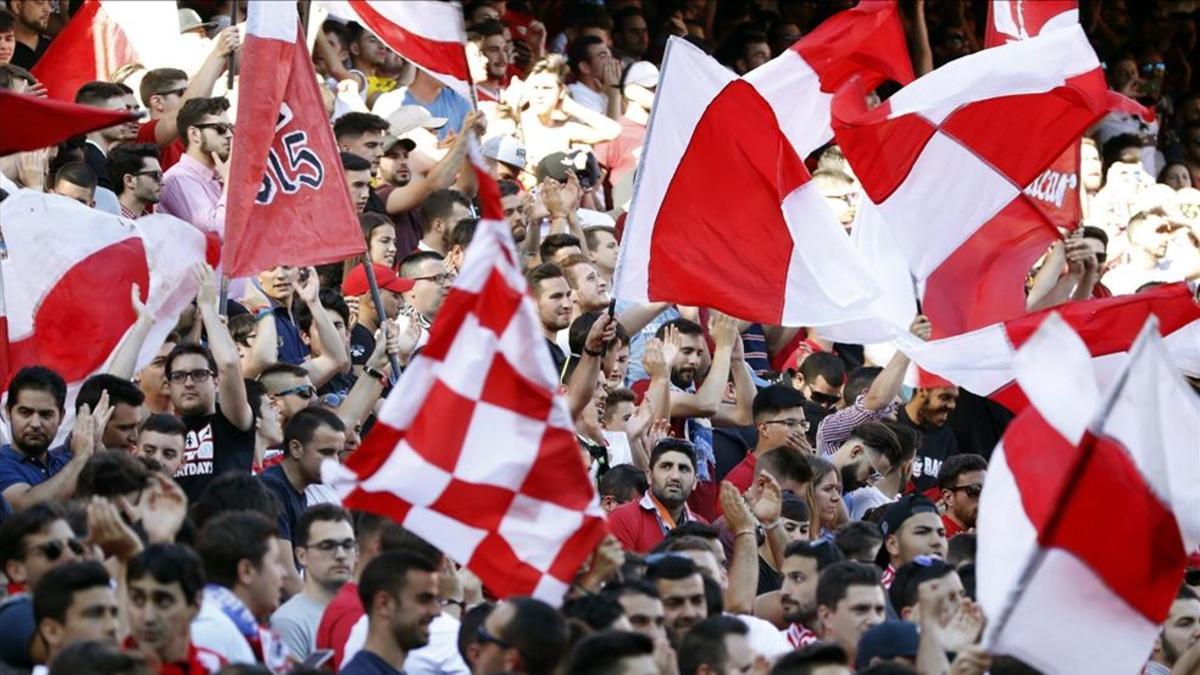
{"x":585,"y":96}
{"x":765,"y":638}
{"x":214,"y":631}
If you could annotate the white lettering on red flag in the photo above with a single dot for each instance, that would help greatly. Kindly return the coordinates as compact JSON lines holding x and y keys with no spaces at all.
{"x":474,"y":449}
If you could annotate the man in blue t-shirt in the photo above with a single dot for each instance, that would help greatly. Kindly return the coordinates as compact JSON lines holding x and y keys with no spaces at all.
{"x":30,"y":471}
{"x":439,"y":100}
{"x":399,"y":591}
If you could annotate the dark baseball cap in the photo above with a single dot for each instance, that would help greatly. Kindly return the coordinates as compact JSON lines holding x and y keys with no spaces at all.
{"x":899,"y":511}
{"x":887,"y":641}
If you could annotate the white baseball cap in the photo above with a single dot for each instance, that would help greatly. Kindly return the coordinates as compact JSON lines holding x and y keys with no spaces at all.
{"x":409,"y":117}
{"x":642,"y":73}
{"x":506,"y":149}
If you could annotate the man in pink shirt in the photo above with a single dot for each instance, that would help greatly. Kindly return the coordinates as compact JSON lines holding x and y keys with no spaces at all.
{"x":192,"y":189}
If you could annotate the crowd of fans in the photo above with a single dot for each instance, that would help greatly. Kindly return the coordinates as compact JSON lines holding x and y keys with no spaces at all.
{"x":777,"y":503}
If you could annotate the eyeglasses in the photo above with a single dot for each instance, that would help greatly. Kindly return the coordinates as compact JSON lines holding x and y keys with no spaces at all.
{"x":972,"y":490}
{"x":438,"y":279}
{"x":157,"y":175}
{"x":826,"y":400}
{"x":171,"y":92}
{"x":486,"y":637}
{"x":332,"y":546}
{"x":219,"y":127}
{"x":53,"y":550}
{"x":1154,"y":66}
{"x":802,"y":425}
{"x":305,"y":391}
{"x":199,"y":375}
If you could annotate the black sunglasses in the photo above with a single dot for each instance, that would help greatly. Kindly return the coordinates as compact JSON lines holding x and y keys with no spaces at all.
{"x":972,"y":490}
{"x":826,"y":400}
{"x":53,"y":550}
{"x":486,"y":637}
{"x":219,"y":127}
{"x":305,"y":391}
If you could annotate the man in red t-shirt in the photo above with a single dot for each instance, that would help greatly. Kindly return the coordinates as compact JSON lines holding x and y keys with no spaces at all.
{"x":164,"y":90}
{"x":779,"y":420}
{"x":961,"y":483}
{"x":641,"y":525}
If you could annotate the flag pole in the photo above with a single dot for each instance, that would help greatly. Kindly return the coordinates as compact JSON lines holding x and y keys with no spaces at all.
{"x":377,"y":299}
{"x":233,"y":20}
{"x":1077,"y":468}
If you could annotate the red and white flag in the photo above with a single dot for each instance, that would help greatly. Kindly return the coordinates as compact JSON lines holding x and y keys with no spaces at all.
{"x":474,"y":449}
{"x":429,"y":33}
{"x":103,"y":36}
{"x":66,"y":262}
{"x":944,"y":220}
{"x":33,"y":122}
{"x":1090,"y":507}
{"x":983,"y":361}
{"x":725,"y":214}
{"x":1013,"y":20}
{"x":288,"y":199}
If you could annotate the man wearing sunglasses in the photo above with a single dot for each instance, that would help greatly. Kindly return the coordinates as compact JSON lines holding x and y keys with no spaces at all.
{"x":136,"y":177}
{"x":192,"y":188}
{"x":961,"y":482}
{"x":32,"y":542}
{"x":289,"y":389}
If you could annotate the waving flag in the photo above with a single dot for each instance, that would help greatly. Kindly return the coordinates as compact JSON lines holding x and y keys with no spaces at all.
{"x":66,"y":261}
{"x":943,"y":175}
{"x":982,"y":361}
{"x":32,"y":122}
{"x":288,"y":199}
{"x":1013,"y":20}
{"x":502,"y":489}
{"x":725,"y":214}
{"x":1090,"y":507}
{"x":103,"y":36}
{"x":429,"y":33}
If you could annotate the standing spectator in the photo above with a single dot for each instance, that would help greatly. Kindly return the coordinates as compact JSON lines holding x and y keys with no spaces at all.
{"x":552,"y":296}
{"x":603,"y":248}
{"x":429,"y":93}
{"x":323,"y":540}
{"x":849,"y":601}
{"x":1180,"y":632}
{"x":961,"y":482}
{"x":641,"y":525}
{"x":494,"y":48}
{"x":779,"y":420}
{"x":358,"y":179}
{"x":750,"y":50}
{"x":125,"y":400}
{"x":310,"y":437}
{"x":521,"y":636}
{"x":30,"y":21}
{"x":680,"y":586}
{"x":161,"y":438}
{"x":399,"y":592}
{"x":165,"y":585}
{"x":621,"y":155}
{"x":803,"y":562}
{"x":164,"y":91}
{"x":109,"y":96}
{"x":30,"y":472}
{"x":220,"y":434}
{"x":73,"y":603}
{"x":597,"y":75}
{"x":631,"y":35}
{"x":193,"y":187}
{"x":137,"y":177}
{"x":430,"y":282}
{"x":361,"y":133}
{"x":551,"y":121}
{"x":912,"y":527}
{"x":440,"y":211}
{"x":928,"y":412}
{"x":241,"y":559}
{"x":718,"y":644}
{"x":8,"y":39}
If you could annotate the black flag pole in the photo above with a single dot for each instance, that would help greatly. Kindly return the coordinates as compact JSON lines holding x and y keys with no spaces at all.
{"x":377,"y":299}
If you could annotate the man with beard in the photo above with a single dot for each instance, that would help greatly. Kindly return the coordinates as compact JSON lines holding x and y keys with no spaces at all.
{"x":324,"y":543}
{"x":552,"y":296}
{"x":31,"y":20}
{"x":928,"y":412}
{"x":399,"y":592}
{"x":110,"y":96}
{"x":494,"y":47}
{"x":888,"y":451}
{"x":1180,"y":632}
{"x":681,"y":588}
{"x":698,"y":406}
{"x":136,"y":177}
{"x":961,"y":482}
{"x":856,"y":458}
{"x":521,"y":636}
{"x":641,"y":525}
{"x":192,"y":188}
{"x":30,"y":472}
{"x":802,"y":565}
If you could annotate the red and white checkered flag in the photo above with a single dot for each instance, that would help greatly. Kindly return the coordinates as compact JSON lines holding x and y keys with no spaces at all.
{"x":474,"y":449}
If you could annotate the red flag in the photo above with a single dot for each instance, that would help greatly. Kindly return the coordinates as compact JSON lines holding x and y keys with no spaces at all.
{"x":502,"y":490}
{"x":103,"y":36}
{"x":1090,"y":506}
{"x":685,"y":241}
{"x":1012,"y":20}
{"x":288,"y":199}
{"x":32,"y":122}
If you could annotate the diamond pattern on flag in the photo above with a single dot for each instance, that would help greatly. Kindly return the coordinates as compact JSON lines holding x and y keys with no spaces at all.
{"x":474,"y":449}
{"x":948,"y":140}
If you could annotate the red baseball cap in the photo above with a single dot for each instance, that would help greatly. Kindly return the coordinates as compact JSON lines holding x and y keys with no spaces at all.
{"x":355,"y":283}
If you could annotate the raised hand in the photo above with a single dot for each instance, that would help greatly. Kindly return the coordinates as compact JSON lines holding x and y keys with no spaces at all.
{"x":768,"y":500}
{"x":83,"y":436}
{"x":672,"y":342}
{"x":921,"y":327}
{"x":309,"y":290}
{"x":723,"y":329}
{"x":139,"y":308}
{"x":654,"y":361}
{"x":206,"y":285}
{"x":602,"y":332}
{"x":737,"y":515}
{"x":162,"y":509}
{"x":100,"y":417}
{"x":109,"y":531}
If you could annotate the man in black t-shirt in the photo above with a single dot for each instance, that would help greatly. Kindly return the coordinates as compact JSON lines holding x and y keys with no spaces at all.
{"x":219,"y":438}
{"x":552,"y":296}
{"x":928,"y":412}
{"x":31,"y":20}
